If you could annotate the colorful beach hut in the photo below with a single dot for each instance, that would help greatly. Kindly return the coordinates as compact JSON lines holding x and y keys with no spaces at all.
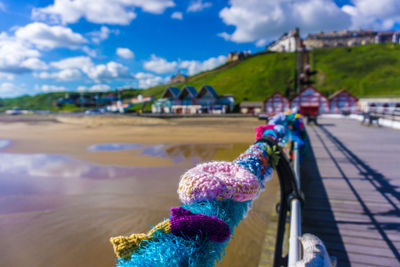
{"x":207,"y":98}
{"x":187,"y":101}
{"x":343,"y":102}
{"x":276,"y":103}
{"x":310,"y":99}
{"x":167,"y":100}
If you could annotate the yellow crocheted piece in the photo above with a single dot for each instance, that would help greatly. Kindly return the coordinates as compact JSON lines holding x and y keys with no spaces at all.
{"x":125,"y":245}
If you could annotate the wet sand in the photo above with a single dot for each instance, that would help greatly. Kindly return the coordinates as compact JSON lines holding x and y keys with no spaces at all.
{"x":60,"y":202}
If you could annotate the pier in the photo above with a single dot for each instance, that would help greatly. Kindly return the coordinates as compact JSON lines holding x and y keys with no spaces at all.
{"x":351,"y":178}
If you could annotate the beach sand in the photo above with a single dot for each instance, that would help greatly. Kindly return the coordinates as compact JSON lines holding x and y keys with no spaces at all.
{"x":61,"y":209}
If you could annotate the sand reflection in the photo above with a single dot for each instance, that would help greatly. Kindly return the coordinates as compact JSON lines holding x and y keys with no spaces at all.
{"x":177,"y":153}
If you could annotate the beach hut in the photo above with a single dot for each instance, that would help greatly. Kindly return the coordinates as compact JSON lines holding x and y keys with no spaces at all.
{"x":276,"y":103}
{"x":207,"y":98}
{"x":167,"y":100}
{"x":343,"y":102}
{"x":310,"y":98}
{"x":211,"y":102}
{"x":187,"y":101}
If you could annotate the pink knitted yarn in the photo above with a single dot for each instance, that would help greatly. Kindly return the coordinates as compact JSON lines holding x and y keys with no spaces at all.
{"x":217,"y":181}
{"x":261,"y":129}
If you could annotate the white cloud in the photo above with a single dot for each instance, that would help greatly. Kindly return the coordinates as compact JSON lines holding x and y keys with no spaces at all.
{"x":99,"y":87}
{"x":80,"y":62}
{"x":90,"y":52}
{"x":110,"y":71}
{"x":125,"y":53}
{"x":99,"y":11}
{"x":102,"y":72}
{"x":177,"y":15}
{"x":224,"y":35}
{"x":34,"y":64}
{"x":146,"y":80}
{"x":94,"y":88}
{"x":261,"y":42}
{"x":6,"y":76}
{"x":63,"y":75}
{"x":255,"y":20}
{"x":382,"y":14}
{"x":52,"y":88}
{"x":9,"y":89}
{"x":45,"y":36}
{"x":198,"y":5}
{"x":160,"y":65}
{"x":18,"y":57}
{"x":102,"y":34}
{"x":195,"y":66}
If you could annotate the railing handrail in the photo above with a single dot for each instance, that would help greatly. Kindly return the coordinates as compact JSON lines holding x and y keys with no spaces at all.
{"x":290,"y":193}
{"x":295,"y":215}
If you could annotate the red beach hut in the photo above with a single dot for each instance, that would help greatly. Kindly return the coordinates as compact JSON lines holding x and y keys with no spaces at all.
{"x":276,"y":103}
{"x":310,"y":101}
{"x":343,"y":102}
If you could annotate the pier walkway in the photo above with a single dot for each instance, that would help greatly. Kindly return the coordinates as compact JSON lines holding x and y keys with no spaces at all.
{"x":351,"y":180}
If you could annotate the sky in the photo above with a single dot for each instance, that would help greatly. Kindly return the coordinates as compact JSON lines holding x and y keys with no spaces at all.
{"x":98,"y":45}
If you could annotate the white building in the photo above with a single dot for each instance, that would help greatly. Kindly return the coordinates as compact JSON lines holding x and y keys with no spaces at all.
{"x":289,"y":42}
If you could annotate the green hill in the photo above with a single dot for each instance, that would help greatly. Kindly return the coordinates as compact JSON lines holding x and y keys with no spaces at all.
{"x":365,"y":71}
{"x":251,"y":79}
{"x":370,"y":70}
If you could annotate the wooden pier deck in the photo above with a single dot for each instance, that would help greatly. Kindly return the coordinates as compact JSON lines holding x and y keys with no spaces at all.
{"x":351,"y":180}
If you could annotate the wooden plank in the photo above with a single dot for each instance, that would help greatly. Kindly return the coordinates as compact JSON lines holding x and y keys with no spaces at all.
{"x":351,"y":200}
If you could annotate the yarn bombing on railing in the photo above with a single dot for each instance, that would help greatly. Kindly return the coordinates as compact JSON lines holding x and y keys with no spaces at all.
{"x":215,"y":197}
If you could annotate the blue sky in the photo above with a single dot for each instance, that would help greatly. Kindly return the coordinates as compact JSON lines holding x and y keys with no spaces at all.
{"x":89,"y":45}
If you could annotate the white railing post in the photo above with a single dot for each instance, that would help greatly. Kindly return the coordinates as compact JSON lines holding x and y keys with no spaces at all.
{"x":295,"y":216}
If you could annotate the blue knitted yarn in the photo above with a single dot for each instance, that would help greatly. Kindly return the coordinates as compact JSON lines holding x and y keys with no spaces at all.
{"x":171,"y":250}
{"x":255,"y":159}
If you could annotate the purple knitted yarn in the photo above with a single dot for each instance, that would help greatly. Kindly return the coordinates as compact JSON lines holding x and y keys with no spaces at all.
{"x":187,"y":224}
{"x":217,"y":181}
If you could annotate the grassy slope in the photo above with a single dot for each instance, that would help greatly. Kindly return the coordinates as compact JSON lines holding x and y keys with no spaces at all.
{"x":371,"y":70}
{"x":252,"y":79}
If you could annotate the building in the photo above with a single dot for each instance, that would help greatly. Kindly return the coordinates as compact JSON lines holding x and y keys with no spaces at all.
{"x":343,"y":102}
{"x":237,"y":56}
{"x":189,"y":101}
{"x":379,"y":104}
{"x":288,"y":42}
{"x":348,"y":38}
{"x":211,"y":102}
{"x":179,"y":78}
{"x":276,"y":103}
{"x":186,"y":102}
{"x":310,"y":98}
{"x":251,"y":107}
{"x":167,"y":100}
{"x":387,"y":37}
{"x":141,"y":99}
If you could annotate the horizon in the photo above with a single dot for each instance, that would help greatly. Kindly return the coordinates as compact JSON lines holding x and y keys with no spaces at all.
{"x":63,"y":46}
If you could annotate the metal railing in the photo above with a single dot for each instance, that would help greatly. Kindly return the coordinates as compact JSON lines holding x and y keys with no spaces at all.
{"x":290,"y":201}
{"x":295,"y":215}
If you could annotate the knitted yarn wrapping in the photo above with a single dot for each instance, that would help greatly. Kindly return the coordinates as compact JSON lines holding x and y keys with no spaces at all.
{"x":167,"y":249}
{"x":218,"y":180}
